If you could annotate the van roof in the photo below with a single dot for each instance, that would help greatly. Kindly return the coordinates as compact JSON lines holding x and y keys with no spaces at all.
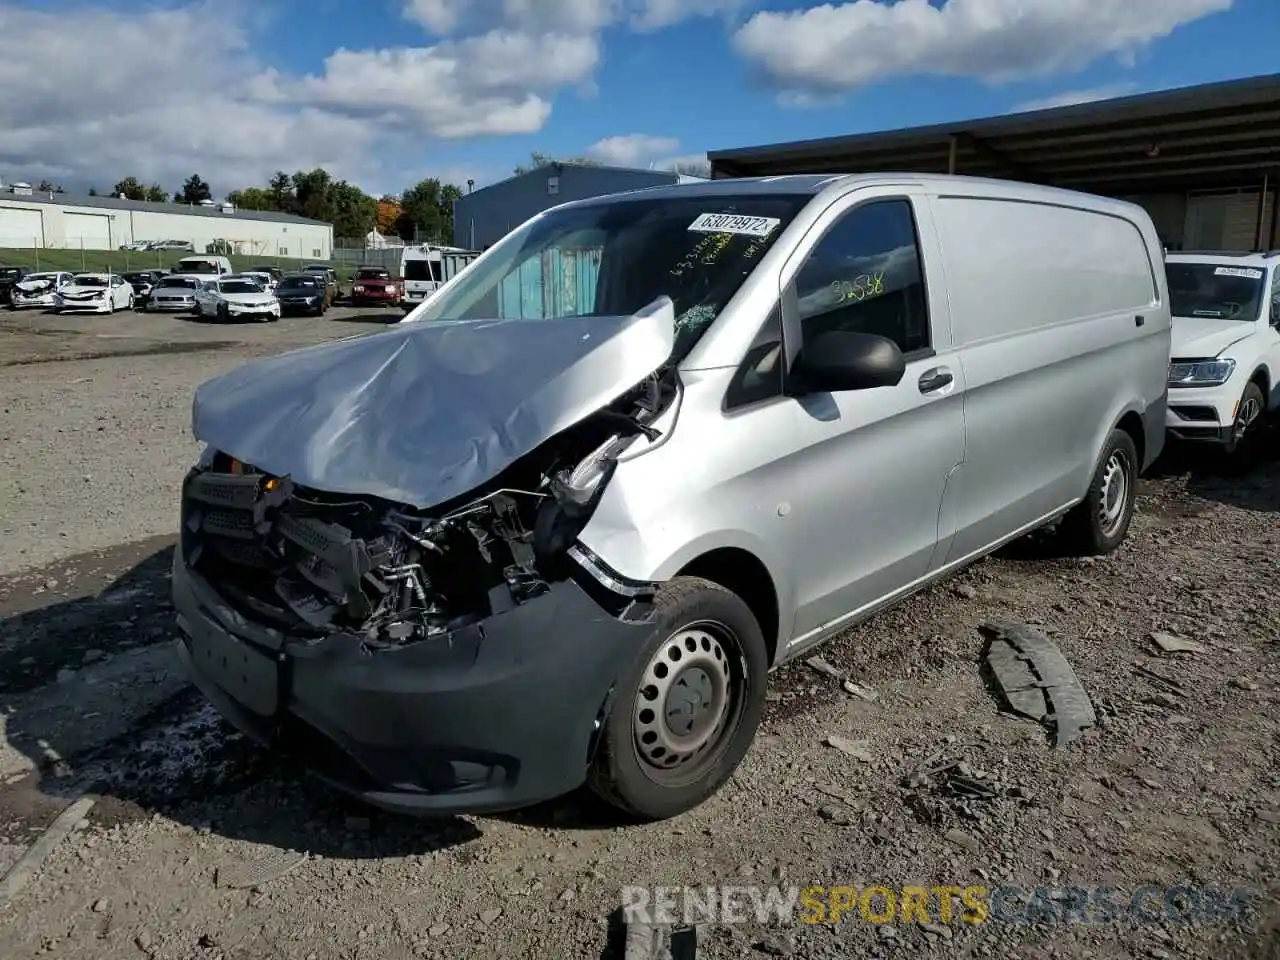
{"x":812,"y":184}
{"x":1231,"y":257}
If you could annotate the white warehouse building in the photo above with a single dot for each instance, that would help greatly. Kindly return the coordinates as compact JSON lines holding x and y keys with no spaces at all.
{"x":30,"y":219}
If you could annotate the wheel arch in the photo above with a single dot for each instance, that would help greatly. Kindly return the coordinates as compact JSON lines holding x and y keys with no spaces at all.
{"x":745,"y":575}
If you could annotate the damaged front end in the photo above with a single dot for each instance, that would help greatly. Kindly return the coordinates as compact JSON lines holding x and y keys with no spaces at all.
{"x":314,"y":564}
{"x":457,"y":657}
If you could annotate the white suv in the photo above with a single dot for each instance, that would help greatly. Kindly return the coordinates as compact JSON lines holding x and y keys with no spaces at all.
{"x":1226,"y":344}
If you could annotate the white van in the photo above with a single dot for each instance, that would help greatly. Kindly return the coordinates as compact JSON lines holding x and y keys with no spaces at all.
{"x":426,"y":268}
{"x":644,"y":449}
{"x":207,"y":267}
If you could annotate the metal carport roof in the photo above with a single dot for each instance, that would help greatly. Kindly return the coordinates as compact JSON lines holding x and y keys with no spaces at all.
{"x":1217,"y":135}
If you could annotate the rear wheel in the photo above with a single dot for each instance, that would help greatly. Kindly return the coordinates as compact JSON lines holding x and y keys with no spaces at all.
{"x":1099,"y":523}
{"x":688,"y":710}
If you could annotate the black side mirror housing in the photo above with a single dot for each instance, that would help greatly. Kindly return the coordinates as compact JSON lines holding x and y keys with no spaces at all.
{"x":843,"y":360}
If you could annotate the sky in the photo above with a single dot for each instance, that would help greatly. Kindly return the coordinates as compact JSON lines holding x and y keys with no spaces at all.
{"x":385,"y":92}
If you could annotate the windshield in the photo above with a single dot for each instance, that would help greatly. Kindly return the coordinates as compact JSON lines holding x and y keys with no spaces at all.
{"x":614,"y":258}
{"x":8,"y":273}
{"x":373,"y":275}
{"x":298,"y":283}
{"x":239,"y":286}
{"x":1213,"y":291}
{"x":84,"y":281}
{"x":197,"y":266}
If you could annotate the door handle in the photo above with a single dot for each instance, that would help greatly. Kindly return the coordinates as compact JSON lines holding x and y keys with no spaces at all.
{"x":933,"y":380}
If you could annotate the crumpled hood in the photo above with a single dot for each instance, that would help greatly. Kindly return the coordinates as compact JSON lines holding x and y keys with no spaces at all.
{"x":35,"y":286}
{"x":73,"y":290}
{"x":1203,"y":337}
{"x":427,"y":411}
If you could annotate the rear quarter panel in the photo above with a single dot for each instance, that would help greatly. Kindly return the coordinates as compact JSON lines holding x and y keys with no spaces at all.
{"x":1045,"y":288}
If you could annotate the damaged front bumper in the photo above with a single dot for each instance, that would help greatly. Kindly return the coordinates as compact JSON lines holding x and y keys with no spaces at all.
{"x":501,"y":713}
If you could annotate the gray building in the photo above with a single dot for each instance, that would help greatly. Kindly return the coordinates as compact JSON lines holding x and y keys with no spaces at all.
{"x":485,"y":216}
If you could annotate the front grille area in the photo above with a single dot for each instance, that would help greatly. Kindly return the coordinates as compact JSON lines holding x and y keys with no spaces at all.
{"x":282,"y":554}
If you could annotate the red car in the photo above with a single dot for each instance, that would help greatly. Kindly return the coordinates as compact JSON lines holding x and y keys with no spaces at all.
{"x":375,"y":285}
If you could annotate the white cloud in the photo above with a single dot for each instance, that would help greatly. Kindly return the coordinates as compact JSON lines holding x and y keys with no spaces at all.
{"x":451,"y":17}
{"x":1071,"y":98}
{"x":632,"y":149}
{"x":837,"y":47}
{"x":159,"y":95}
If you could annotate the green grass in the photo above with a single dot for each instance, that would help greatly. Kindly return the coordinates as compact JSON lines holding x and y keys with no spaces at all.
{"x":122,"y":261}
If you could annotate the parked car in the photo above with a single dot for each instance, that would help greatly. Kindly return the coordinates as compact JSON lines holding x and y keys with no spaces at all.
{"x":183,"y":246}
{"x":264,"y":280}
{"x":236,"y":299}
{"x":304,"y":293}
{"x":275,"y":273}
{"x":375,"y":285}
{"x":492,"y":560}
{"x":1226,"y":345}
{"x":8,"y":277}
{"x":143,"y":282}
{"x":175,"y":294}
{"x":330,"y":277}
{"x":136,"y":246}
{"x":39,"y":290}
{"x":208,"y":267}
{"x":95,"y":293}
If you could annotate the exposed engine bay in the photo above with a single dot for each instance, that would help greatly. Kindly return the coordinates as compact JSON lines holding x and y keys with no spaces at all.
{"x":314,"y":564}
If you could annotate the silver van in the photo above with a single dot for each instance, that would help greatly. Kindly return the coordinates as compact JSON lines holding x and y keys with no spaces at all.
{"x":560,"y":523}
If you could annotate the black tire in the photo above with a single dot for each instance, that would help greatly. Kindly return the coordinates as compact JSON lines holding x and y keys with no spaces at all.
{"x":1248,"y":417}
{"x":224,"y":313}
{"x":1099,"y":523}
{"x":728,"y":663}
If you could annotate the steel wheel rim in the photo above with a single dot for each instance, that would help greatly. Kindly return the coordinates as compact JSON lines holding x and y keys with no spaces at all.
{"x":688,"y":702}
{"x":1114,"y":495}
{"x":1245,"y":416}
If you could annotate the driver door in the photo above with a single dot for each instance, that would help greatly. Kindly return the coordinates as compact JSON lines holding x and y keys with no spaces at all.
{"x":867,"y":468}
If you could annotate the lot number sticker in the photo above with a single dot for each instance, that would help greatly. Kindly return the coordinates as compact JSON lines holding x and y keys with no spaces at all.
{"x":1247,"y":273}
{"x":732,"y":223}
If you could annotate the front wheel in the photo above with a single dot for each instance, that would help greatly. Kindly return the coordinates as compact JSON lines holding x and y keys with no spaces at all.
{"x":688,"y":710}
{"x":1248,"y":411}
{"x":1098,"y":524}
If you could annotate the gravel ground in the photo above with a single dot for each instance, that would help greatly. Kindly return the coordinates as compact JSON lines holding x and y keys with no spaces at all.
{"x":187,"y":852}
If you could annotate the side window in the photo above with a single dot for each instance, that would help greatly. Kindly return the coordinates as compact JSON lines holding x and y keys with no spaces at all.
{"x":1275,"y":297}
{"x":865,"y":276}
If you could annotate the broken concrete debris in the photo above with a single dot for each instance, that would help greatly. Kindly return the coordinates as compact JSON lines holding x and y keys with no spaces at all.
{"x":1035,"y":679}
{"x":826,"y":669}
{"x":1168,"y":643}
{"x":858,"y":749}
{"x":861,"y":691}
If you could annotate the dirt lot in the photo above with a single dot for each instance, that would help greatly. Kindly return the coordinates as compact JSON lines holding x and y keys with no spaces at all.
{"x":194,"y":847}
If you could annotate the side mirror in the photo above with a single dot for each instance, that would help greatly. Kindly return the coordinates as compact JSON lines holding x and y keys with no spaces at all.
{"x":843,"y":360}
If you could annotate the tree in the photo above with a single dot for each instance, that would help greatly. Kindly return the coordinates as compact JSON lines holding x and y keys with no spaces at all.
{"x":252,"y":198}
{"x":281,"y":190}
{"x":312,"y":195}
{"x":539,"y":160}
{"x":388,"y":214}
{"x":354,"y":212}
{"x":93,"y":191}
{"x":45,"y":186}
{"x":420,"y":218}
{"x":156,"y":194}
{"x":194,"y":190}
{"x":448,"y":194}
{"x":130,"y":189}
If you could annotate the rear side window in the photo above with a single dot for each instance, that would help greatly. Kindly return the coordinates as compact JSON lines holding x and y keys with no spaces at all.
{"x":422,"y":270}
{"x":1015,"y":266}
{"x":864,"y":276}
